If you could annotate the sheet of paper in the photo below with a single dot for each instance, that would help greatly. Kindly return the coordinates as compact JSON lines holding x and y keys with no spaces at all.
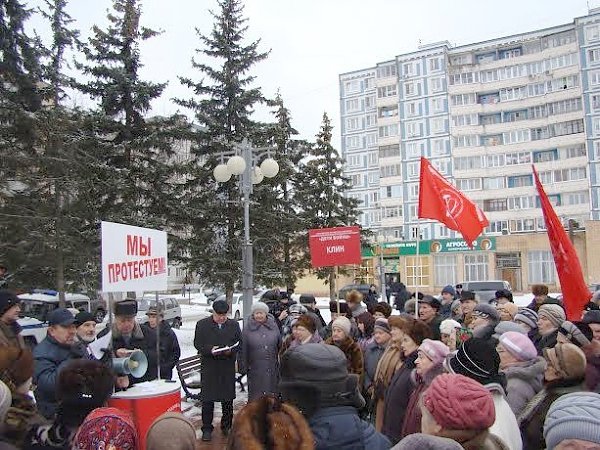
{"x":99,"y":346}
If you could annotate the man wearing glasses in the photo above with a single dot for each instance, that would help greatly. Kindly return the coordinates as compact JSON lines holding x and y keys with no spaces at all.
{"x":217,"y":339}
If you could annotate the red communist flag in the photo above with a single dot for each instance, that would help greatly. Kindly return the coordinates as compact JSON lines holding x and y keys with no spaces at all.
{"x":441,"y":201}
{"x":575,"y":292}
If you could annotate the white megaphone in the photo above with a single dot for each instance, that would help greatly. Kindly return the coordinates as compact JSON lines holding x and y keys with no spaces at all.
{"x":135,"y":364}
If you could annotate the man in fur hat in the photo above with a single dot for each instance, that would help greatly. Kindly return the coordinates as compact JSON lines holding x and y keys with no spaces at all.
{"x":315,"y":379}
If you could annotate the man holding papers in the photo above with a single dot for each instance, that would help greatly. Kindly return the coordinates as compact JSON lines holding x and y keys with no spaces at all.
{"x":217,"y":339}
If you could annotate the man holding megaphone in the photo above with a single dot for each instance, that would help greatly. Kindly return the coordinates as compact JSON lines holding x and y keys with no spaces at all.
{"x":129,"y":348}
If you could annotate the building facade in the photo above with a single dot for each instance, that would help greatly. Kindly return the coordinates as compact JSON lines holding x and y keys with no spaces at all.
{"x":482,"y":113}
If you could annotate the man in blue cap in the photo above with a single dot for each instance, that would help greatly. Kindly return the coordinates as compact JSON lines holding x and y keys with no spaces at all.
{"x":51,"y":356}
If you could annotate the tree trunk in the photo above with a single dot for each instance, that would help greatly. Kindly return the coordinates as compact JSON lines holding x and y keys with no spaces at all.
{"x":332,"y":284}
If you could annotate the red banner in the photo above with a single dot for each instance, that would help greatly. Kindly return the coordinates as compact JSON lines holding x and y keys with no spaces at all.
{"x":334,"y":246}
{"x":575,"y":292}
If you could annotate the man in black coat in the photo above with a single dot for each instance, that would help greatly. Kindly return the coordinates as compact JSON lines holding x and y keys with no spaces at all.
{"x":213,"y":337}
{"x":168,"y":343}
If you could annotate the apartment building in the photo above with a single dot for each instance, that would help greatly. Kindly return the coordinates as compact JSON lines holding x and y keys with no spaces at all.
{"x":483,"y":113}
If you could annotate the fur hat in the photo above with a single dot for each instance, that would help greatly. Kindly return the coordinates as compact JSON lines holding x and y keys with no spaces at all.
{"x":477,"y":359}
{"x":354,"y":296}
{"x":436,"y":351}
{"x":568,"y":360}
{"x":573,"y":416}
{"x":8,"y":299}
{"x":579,"y":334}
{"x":126,"y":307}
{"x":416,"y":329}
{"x":306,"y":321}
{"x":528,"y":317}
{"x":383,"y":325}
{"x":457,"y":402}
{"x":259,"y":306}
{"x":268,"y":423}
{"x":383,"y":308}
{"x":539,"y":289}
{"x":16,"y":366}
{"x":504,"y":293}
{"x":554,"y":313}
{"x":343,"y":323}
{"x":518,"y":345}
{"x":171,"y":431}
{"x":448,"y":326}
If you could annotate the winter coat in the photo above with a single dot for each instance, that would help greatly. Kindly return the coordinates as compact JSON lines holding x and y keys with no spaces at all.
{"x":400,"y":299}
{"x":434,"y":326}
{"x":371,"y":356}
{"x":506,"y":427}
{"x":592,"y":369}
{"x":10,"y":335}
{"x":532,"y":418}
{"x":290,"y":342}
{"x":50,"y":358}
{"x":169,"y":350}
{"x":353,"y":354}
{"x":20,"y":418}
{"x":548,"y":341}
{"x":523,"y":381}
{"x":218,"y":371}
{"x":371,"y":299}
{"x":52,"y":436}
{"x":340,"y":428}
{"x":259,"y":356}
{"x":396,"y":399}
{"x":319,"y":317}
{"x":137,"y":341}
{"x":412,"y":416}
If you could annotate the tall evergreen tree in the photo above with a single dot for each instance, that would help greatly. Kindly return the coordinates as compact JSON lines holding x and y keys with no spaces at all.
{"x":321,"y":186}
{"x":211,"y":236}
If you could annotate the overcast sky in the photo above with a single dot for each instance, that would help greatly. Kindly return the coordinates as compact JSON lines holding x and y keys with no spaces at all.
{"x":313,"y":41}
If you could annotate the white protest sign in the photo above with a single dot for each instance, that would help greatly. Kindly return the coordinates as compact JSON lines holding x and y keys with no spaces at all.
{"x":133,"y":258}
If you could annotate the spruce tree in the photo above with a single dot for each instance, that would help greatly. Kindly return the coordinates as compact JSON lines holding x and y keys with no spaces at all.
{"x":211,"y":234}
{"x":321,"y":188}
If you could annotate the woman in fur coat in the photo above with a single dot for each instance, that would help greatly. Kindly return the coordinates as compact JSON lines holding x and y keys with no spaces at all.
{"x":341,"y":338}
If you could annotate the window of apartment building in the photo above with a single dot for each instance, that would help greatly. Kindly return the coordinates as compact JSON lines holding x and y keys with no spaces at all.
{"x":408,"y":69}
{"x":386,"y":71}
{"x":494,"y":160}
{"x":592,"y":33}
{"x":576,"y":173}
{"x":370,"y":120}
{"x":488,"y":99}
{"x":439,"y":147}
{"x":444,"y":269}
{"x":414,"y":129}
{"x":354,"y":123}
{"x":373,"y":178}
{"x":413,"y":109}
{"x":388,"y":111}
{"x":390,"y":90}
{"x":412,"y":170}
{"x":576,"y":198}
{"x":463,"y":99}
{"x":516,"y":136}
{"x":372,"y":159}
{"x":574,"y":152}
{"x":495,"y":204}
{"x":371,"y":139}
{"x":392,"y":170}
{"x":594,"y":55}
{"x":413,"y":191}
{"x":436,"y":84}
{"x":522,"y":225}
{"x":490,"y":119}
{"x":357,"y":180}
{"x":537,"y":89}
{"x":468,"y":162}
{"x":437,"y":104}
{"x":438,"y":125}
{"x":562,"y":61}
{"x":352,"y":105}
{"x":466,"y":141}
{"x":558,"y":39}
{"x":492,"y":140}
{"x":442,"y":165}
{"x":369,"y":82}
{"x":414,"y":150}
{"x":562,"y":83}
{"x":540,"y":265}
{"x":595,"y":102}
{"x":513,"y":93}
{"x":352,"y":86}
{"x":459,"y":60}
{"x":417,"y":271}
{"x":435,"y":64}
{"x":570,"y":127}
{"x":497,"y":226}
{"x":388,"y":130}
{"x":375,"y":217}
{"x":373,"y":197}
{"x":353,"y":142}
{"x":516,"y":158}
{"x":494,"y":183}
{"x":354,"y":161}
{"x":462,"y":78}
{"x":594,"y":78}
{"x":540,"y":133}
{"x":392,"y":211}
{"x":468,"y":184}
{"x":488,"y":76}
{"x":411,"y":88}
{"x":538,"y":112}
{"x":565,"y":106}
{"x":522,"y":202}
{"x":465,"y":119}
{"x":370,"y":102}
{"x":392,"y":192}
{"x":476,"y":267}
{"x":389,"y":151}
{"x":515,"y":116}
{"x":596,"y":155}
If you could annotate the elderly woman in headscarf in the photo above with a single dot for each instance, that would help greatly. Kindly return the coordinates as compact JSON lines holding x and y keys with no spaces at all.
{"x":107,"y":428}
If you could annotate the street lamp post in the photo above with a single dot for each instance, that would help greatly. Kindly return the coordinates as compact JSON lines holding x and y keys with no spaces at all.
{"x":250,"y":175}
{"x":381,"y":240}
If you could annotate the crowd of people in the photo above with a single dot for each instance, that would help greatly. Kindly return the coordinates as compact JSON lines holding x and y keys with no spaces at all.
{"x":458,"y":374}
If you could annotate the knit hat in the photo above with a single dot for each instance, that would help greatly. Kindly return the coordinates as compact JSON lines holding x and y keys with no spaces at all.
{"x":8,"y":299}
{"x":16,"y":366}
{"x":431,"y":301}
{"x":457,"y":402}
{"x":383,"y":308}
{"x":343,"y":323}
{"x":504,"y":293}
{"x":449,"y":290}
{"x":423,"y":441}
{"x":383,"y":325}
{"x":505,"y":326}
{"x":436,"y":351}
{"x":510,"y":308}
{"x":519,"y":345}
{"x":554,"y":313}
{"x":83,"y":317}
{"x":448,"y":326}
{"x":573,"y":416}
{"x":171,"y":431}
{"x":574,"y":334}
{"x":468,"y":295}
{"x":477,"y":359}
{"x":591,"y":317}
{"x":486,"y":311}
{"x":220,"y":307}
{"x":104,"y":427}
{"x":268,"y":423}
{"x":333,"y":307}
{"x":568,"y":360}
{"x":305,"y":321}
{"x":528,"y":317}
{"x":259,"y":306}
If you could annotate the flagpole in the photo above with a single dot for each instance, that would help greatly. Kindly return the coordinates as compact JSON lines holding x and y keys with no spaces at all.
{"x":418,"y":269}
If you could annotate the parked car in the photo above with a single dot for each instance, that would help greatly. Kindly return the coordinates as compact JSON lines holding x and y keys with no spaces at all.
{"x":212,"y":294}
{"x":236,"y":311}
{"x":486,"y":290}
{"x":362,"y":288}
{"x":169,"y":305}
